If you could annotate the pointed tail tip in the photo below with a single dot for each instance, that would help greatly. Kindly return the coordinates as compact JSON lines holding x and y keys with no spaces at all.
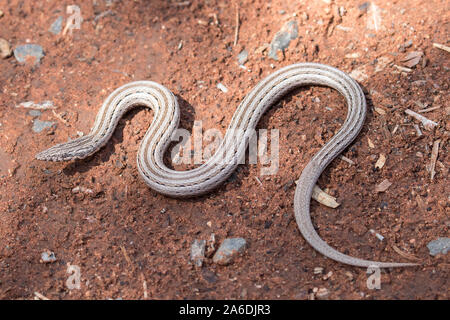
{"x":394,"y":264}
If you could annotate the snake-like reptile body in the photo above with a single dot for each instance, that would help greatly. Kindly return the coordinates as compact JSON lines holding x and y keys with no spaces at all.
{"x":215,"y":170}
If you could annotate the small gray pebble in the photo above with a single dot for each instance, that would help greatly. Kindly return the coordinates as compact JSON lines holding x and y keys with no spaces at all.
{"x":29,"y":50}
{"x":198,"y":252}
{"x":48,"y":257}
{"x":34,"y":113}
{"x":282,"y":38}
{"x":242,"y":57}
{"x":408,"y":44}
{"x":56,"y":26}
{"x":364,"y":7}
{"x":228,"y":250}
{"x":440,"y":245}
{"x":39,"y":125}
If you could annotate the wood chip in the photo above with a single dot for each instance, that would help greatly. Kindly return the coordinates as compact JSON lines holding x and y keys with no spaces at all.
{"x":181,"y":4}
{"x":434,"y":155}
{"x":380,"y":111}
{"x":259,"y":181}
{"x":427,"y":123}
{"x":39,"y":296}
{"x":380,"y":162}
{"x":403,"y":69}
{"x":441,"y":46}
{"x":222,"y":88}
{"x":344,"y":158}
{"x":395,"y":129}
{"x":354,"y":55}
{"x":60,"y":118}
{"x":125,"y":254}
{"x":144,"y":286}
{"x":324,"y":198}
{"x":383,"y":186}
{"x":429,"y":109}
{"x":371,"y":145}
{"x":419,"y":132}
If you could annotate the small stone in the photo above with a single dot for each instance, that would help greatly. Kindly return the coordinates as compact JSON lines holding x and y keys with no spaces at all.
{"x":56,"y":26}
{"x":48,"y":257}
{"x":439,"y":246}
{"x":80,"y":189}
{"x":383,"y":205}
{"x":119,"y":165}
{"x":408,"y":44}
{"x":354,"y":55}
{"x":242,"y":57}
{"x":282,"y":38}
{"x":318,"y":270}
{"x":359,"y":74}
{"x":198,"y":252}
{"x":29,"y":51}
{"x":222,"y":88}
{"x":228,"y":250}
{"x":39,"y":125}
{"x":349,"y":275}
{"x":1,"y":13}
{"x":364,"y":7}
{"x":209,"y":276}
{"x":5,"y":49}
{"x":327,"y":276}
{"x":322,"y":294}
{"x":34,"y":113}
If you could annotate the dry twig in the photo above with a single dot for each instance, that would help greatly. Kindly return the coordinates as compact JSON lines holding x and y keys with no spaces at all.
{"x":427,"y":123}
{"x":236,"y":32}
{"x":405,"y":254}
{"x":434,"y":155}
{"x":441,"y":46}
{"x":39,"y":296}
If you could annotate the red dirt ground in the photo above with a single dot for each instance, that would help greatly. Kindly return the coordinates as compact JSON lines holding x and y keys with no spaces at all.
{"x":124,"y":234}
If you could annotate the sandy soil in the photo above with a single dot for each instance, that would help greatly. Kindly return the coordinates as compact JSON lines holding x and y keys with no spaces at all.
{"x":129,"y":241}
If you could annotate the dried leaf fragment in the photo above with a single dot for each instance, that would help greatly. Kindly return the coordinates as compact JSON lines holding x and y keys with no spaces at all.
{"x":380,"y":162}
{"x":412,"y":58}
{"x":383,"y":186}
